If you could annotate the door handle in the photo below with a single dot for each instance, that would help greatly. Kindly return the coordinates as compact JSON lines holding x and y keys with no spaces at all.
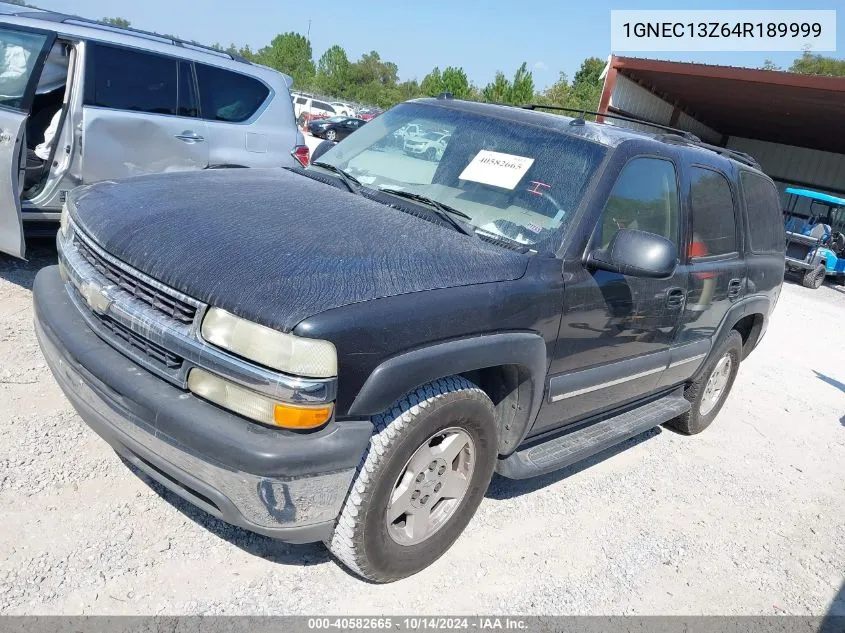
{"x":734,"y":288}
{"x":190,"y":137}
{"x":675,"y":297}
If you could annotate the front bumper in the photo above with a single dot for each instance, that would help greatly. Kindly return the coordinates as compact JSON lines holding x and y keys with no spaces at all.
{"x":281,"y":484}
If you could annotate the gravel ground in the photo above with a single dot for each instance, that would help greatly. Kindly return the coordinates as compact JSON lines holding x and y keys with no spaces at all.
{"x":747,"y":518}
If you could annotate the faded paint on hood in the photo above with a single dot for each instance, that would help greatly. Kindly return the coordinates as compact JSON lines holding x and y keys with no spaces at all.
{"x":276,"y":247}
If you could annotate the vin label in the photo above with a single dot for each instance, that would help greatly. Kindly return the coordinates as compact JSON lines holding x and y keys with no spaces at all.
{"x":722,"y":30}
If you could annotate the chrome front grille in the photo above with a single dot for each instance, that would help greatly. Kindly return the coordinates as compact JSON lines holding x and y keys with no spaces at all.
{"x":165,"y":303}
{"x":168,"y":360}
{"x":157,"y":326}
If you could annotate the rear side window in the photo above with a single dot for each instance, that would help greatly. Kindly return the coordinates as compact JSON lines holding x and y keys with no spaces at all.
{"x":765,"y":219}
{"x":713,"y":218}
{"x":228,"y":96}
{"x":322,"y":106}
{"x":645,"y":197}
{"x":124,"y":79}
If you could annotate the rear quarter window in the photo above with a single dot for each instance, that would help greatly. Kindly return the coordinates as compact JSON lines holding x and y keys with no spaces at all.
{"x":228,"y":96}
{"x":765,"y":219}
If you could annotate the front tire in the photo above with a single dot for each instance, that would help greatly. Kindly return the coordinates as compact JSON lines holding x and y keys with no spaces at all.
{"x":331,"y":135}
{"x":431,"y":153}
{"x":708,"y":392}
{"x":814,"y":278}
{"x":426,"y":470}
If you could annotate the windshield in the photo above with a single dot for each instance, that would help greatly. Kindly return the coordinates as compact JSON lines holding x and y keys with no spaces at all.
{"x":513,"y":180}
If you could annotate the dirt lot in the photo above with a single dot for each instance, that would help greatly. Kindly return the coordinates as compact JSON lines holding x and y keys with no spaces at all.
{"x":747,"y":518}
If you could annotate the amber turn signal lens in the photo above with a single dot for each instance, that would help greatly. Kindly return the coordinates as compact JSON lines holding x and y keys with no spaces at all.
{"x":291,"y":417}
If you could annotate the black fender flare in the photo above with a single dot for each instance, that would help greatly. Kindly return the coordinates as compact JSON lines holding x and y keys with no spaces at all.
{"x":755,"y":304}
{"x":400,"y":374}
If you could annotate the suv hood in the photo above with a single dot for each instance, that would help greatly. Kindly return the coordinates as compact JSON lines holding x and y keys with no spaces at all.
{"x":275,"y":247}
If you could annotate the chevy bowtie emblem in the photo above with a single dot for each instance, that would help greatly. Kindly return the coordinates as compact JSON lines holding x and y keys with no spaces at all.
{"x":96,"y":297}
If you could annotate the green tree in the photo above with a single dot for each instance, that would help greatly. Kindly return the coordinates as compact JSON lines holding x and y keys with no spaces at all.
{"x":121,"y":22}
{"x":522,"y":86}
{"x":768,"y":64}
{"x":810,"y":64}
{"x":290,"y":53}
{"x":454,"y":80}
{"x":498,"y":90}
{"x":333,"y":71}
{"x":560,"y":92}
{"x":432,"y":82}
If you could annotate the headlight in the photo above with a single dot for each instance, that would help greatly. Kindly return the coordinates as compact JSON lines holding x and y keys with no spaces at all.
{"x":254,"y":405}
{"x":286,"y":352}
{"x":65,"y":219}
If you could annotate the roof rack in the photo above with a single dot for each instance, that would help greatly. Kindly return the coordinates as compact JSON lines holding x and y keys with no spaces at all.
{"x":680,"y":137}
{"x":740,"y":157}
{"x":167,"y":39}
{"x":682,"y":133}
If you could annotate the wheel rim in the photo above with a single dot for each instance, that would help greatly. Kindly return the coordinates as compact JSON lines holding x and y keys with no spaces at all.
{"x":714,"y":390}
{"x":431,"y":486}
{"x":330,"y":135}
{"x":432,"y":154}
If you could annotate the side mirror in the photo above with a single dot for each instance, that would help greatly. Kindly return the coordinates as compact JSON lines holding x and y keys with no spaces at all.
{"x":636,"y":253}
{"x":321,"y":149}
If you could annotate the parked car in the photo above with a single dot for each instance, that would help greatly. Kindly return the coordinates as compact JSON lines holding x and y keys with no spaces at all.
{"x":409,"y":130}
{"x":309,"y":107}
{"x":357,"y":372}
{"x":368,"y":114}
{"x":100,"y":102}
{"x":335,"y":128}
{"x":815,"y":237}
{"x":345,"y":109}
{"x":431,"y":145}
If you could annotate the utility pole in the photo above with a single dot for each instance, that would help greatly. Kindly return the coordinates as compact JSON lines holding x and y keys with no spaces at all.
{"x":308,"y":34}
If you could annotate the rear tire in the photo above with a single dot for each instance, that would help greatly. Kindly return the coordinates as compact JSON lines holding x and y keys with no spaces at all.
{"x":814,"y":278}
{"x":708,"y":392}
{"x":374,"y":537}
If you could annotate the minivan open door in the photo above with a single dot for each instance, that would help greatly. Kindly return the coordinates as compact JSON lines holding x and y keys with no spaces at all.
{"x":22,"y":54}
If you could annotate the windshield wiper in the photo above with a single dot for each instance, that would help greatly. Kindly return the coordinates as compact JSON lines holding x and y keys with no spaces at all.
{"x":347,"y":179}
{"x":443,"y":211}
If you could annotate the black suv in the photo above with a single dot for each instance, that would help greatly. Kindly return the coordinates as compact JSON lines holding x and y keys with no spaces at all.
{"x":348,"y":352}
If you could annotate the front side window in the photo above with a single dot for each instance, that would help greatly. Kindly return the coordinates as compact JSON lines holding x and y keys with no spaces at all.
{"x":19,"y":51}
{"x":515,"y":181}
{"x":228,"y":96}
{"x":124,"y":79}
{"x":645,"y":197}
{"x":713,"y":219}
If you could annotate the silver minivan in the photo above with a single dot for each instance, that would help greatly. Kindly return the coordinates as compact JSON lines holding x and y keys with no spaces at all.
{"x":82,"y":102}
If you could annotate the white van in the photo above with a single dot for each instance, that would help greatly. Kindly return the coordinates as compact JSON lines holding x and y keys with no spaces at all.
{"x":82,"y":101}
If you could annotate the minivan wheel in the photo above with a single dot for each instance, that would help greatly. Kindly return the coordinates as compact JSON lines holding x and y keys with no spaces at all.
{"x":708,"y":392}
{"x":426,"y":470}
{"x":814,"y":278}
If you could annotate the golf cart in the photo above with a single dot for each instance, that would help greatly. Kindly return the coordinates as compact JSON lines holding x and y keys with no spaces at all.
{"x":815,"y":236}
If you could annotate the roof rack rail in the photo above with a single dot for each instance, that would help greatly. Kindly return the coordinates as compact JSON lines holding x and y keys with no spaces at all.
{"x":740,"y":157}
{"x":167,"y":39}
{"x":682,"y":133}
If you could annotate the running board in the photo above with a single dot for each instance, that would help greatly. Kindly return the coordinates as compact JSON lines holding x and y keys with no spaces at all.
{"x":568,"y":449}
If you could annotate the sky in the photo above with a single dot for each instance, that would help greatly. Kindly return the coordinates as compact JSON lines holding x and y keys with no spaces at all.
{"x":481,"y":36}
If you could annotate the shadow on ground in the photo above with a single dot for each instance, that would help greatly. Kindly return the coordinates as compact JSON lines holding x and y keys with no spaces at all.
{"x":831,"y":381}
{"x":40,"y":252}
{"x":502,"y":488}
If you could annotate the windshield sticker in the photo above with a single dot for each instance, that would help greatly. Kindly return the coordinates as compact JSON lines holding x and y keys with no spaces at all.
{"x":496,"y":169}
